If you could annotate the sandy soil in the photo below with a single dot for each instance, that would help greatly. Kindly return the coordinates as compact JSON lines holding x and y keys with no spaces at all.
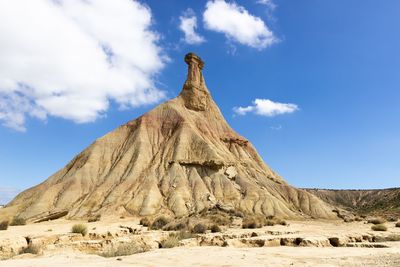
{"x":216,"y":255}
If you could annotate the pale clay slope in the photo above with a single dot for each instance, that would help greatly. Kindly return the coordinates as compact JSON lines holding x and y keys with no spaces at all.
{"x":178,"y":159}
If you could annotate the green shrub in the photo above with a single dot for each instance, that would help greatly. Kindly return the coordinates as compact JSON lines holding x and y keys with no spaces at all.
{"x":376,"y":221}
{"x":4,"y":225}
{"x":124,"y":249}
{"x":159,"y":223}
{"x":95,"y":218}
{"x":379,"y":227}
{"x":18,"y":221}
{"x":145,"y":222}
{"x":398,"y":224}
{"x":79,"y":229}
{"x":215,"y":228}
{"x":32,"y":249}
{"x":199,"y":228}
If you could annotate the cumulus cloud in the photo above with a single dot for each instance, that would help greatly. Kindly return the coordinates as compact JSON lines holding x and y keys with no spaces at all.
{"x":266,"y":107}
{"x":70,"y":58}
{"x":188,"y":25}
{"x":237,"y":24}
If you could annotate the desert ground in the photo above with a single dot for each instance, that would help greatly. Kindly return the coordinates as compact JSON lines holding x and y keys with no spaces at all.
{"x":299,"y":243}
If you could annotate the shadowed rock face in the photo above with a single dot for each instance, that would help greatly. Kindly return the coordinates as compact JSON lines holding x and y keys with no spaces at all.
{"x":180,"y":158}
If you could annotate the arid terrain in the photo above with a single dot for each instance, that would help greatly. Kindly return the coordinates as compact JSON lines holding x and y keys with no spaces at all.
{"x":298,"y":243}
{"x":378,"y":202}
{"x":179,"y":187}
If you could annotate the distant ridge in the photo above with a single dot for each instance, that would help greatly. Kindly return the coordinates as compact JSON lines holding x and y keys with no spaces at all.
{"x":383,"y":202}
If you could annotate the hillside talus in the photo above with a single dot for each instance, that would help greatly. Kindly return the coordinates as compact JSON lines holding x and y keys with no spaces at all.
{"x":179,"y":158}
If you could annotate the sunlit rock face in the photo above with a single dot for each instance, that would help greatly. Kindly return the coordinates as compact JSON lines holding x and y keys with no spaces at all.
{"x":178,"y":159}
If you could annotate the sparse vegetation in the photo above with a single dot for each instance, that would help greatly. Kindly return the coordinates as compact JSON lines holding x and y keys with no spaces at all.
{"x":397,"y":224}
{"x":257,"y":221}
{"x":18,"y":221}
{"x":392,"y":219}
{"x":376,"y":221}
{"x":159,"y":223}
{"x":173,"y":239}
{"x":95,"y":218}
{"x":215,"y":228}
{"x":237,"y":213}
{"x":358,"y":219}
{"x":79,"y":229}
{"x":3,"y":225}
{"x":220,"y":218}
{"x":175,"y":226}
{"x":379,"y":227}
{"x":281,"y":222}
{"x":124,"y":249}
{"x":145,"y":222}
{"x":199,"y":229}
{"x":390,"y":238}
{"x":32,"y":249}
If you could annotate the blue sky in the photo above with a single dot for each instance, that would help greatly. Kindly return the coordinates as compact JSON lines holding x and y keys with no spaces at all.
{"x":337,"y":61}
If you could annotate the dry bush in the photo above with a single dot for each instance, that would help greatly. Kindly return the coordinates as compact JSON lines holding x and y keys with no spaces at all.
{"x":358,"y":219}
{"x":269,"y":222}
{"x":18,"y":221}
{"x":95,"y":218}
{"x":390,"y":238}
{"x":220,"y":219}
{"x":281,"y":222}
{"x":159,"y":223}
{"x":145,"y":222}
{"x":175,"y":226}
{"x":392,"y":219}
{"x":4,"y":225}
{"x":236,"y":213}
{"x":199,"y":228}
{"x":379,"y":227}
{"x":398,"y":224}
{"x":79,"y":229}
{"x":32,"y":249}
{"x":215,"y":228}
{"x":171,"y":241}
{"x":251,"y":223}
{"x":124,"y":249}
{"x":376,"y":221}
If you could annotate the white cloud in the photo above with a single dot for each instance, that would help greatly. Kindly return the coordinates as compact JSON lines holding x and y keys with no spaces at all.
{"x":237,"y":24}
{"x":268,"y":3}
{"x":266,"y":107}
{"x":188,"y":25}
{"x":70,"y":58}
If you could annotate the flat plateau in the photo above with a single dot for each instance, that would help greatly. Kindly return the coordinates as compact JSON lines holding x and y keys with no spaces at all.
{"x":300,"y":243}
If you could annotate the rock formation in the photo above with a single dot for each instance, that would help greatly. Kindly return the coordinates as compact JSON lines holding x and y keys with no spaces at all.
{"x":179,"y":158}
